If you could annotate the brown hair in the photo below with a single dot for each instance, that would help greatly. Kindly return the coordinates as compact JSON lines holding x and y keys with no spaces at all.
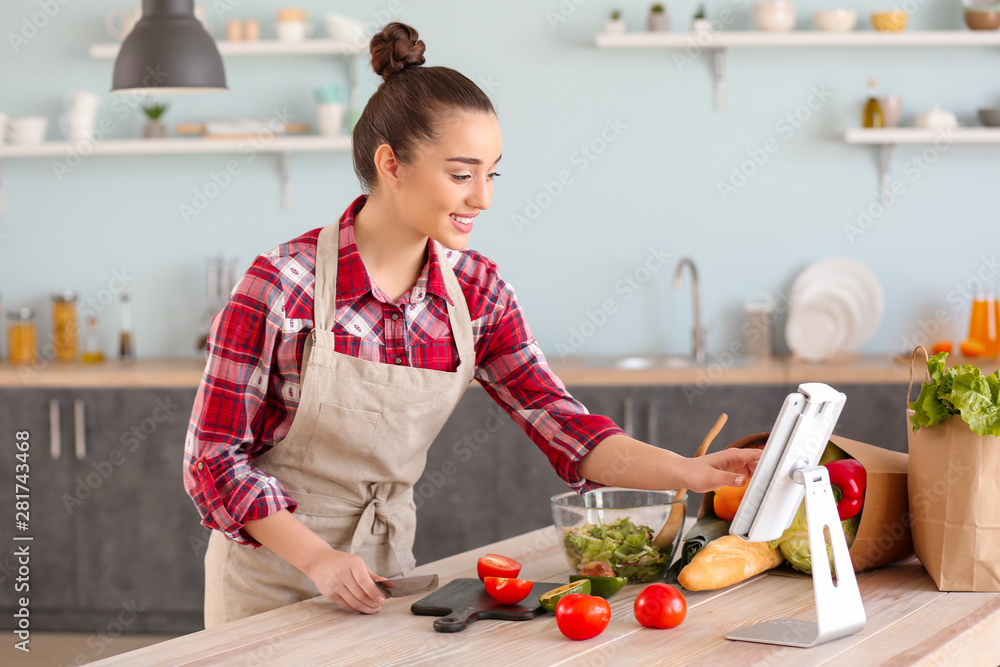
{"x":411,"y":101}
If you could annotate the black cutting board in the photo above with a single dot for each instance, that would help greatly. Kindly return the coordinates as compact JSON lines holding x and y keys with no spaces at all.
{"x":463,"y":601}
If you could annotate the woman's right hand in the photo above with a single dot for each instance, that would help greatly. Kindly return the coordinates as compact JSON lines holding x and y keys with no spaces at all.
{"x":345,"y":579}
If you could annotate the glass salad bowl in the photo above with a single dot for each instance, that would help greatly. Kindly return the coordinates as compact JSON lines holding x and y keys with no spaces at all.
{"x":616,"y":526}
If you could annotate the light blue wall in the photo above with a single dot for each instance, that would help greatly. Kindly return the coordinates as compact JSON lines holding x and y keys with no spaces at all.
{"x":654,"y":185}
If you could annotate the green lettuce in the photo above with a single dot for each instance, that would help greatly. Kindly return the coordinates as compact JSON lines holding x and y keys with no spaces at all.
{"x":959,"y":390}
{"x":623,"y":545}
{"x":794,"y":542}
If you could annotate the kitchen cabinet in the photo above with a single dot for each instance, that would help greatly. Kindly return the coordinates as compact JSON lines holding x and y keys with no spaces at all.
{"x":53,"y":550}
{"x":113,"y":526}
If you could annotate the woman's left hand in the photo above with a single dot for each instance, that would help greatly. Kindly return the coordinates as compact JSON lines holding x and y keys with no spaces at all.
{"x":730,"y":467}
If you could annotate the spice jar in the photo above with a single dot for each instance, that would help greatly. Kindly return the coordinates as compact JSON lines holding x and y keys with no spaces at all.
{"x":64,"y":326}
{"x":21,"y":338}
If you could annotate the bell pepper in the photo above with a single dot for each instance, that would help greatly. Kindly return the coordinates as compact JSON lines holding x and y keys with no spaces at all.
{"x":727,"y":501}
{"x":848,"y":476}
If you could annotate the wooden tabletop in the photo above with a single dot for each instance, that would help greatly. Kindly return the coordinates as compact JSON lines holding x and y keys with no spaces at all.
{"x":910,"y":622}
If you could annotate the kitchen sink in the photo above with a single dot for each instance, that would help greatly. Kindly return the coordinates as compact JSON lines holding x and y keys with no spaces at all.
{"x":641,"y":363}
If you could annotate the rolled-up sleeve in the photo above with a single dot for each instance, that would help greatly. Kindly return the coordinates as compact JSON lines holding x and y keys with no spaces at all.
{"x":514,"y":372}
{"x":228,"y":419}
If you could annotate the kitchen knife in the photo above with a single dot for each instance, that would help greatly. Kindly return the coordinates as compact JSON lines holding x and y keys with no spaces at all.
{"x":398,"y":588}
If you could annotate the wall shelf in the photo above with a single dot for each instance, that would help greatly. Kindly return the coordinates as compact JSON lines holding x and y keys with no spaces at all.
{"x":716,"y":43}
{"x":887,"y":139}
{"x":264,"y":47}
{"x":282,"y":146}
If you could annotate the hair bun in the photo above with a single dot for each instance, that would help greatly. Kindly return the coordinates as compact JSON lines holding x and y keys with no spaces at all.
{"x":396,"y":48}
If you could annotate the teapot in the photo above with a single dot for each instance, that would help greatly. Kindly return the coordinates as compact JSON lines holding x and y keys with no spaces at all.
{"x":119,"y":22}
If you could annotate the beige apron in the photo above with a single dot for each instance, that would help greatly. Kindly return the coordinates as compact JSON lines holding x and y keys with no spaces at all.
{"x":357,"y":445}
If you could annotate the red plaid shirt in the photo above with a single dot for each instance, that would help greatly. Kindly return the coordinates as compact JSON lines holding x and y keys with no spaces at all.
{"x":250,"y":390}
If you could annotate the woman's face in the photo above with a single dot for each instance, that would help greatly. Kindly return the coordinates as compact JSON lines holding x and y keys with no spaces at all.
{"x":448,"y":183}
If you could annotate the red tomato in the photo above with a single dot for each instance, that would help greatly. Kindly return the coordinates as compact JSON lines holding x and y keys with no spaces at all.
{"x":492,"y":565}
{"x":506,"y":590}
{"x":660,"y":606}
{"x":582,"y":616}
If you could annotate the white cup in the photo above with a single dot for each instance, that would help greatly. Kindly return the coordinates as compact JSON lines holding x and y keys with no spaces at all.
{"x":27,"y":129}
{"x":78,"y":127}
{"x":293,"y":31}
{"x":345,"y":29}
{"x":82,"y":102}
{"x":330,"y":118}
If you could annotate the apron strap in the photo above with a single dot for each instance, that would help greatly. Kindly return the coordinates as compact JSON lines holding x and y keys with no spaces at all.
{"x":458,"y":311}
{"x":325,"y":288}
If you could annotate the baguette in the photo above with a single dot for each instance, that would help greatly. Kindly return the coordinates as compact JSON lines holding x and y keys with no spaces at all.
{"x":726,"y":561}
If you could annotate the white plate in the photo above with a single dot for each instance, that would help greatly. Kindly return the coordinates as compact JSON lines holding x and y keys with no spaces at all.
{"x":812,"y":331}
{"x":854,"y":283}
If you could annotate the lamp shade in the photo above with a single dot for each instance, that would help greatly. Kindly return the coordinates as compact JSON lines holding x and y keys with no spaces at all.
{"x":168,"y":51}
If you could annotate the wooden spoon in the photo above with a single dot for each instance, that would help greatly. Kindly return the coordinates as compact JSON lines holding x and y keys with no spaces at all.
{"x":675,"y":521}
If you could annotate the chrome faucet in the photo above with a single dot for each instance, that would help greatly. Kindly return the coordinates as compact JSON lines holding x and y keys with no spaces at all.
{"x":697,"y":332}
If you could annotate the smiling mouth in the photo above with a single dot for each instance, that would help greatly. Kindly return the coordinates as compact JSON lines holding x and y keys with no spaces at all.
{"x":462,"y":223}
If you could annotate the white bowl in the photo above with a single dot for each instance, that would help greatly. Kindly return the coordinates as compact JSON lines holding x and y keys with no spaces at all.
{"x":836,"y":20}
{"x":774,"y":16}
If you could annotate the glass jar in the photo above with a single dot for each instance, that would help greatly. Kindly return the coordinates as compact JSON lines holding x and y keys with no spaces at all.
{"x":21,"y":337}
{"x":64,"y":326}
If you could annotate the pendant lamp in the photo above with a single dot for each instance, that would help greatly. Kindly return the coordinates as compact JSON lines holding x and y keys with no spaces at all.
{"x":168,"y":51}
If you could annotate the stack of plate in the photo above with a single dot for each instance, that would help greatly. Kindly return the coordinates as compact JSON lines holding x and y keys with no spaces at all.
{"x":836,"y":306}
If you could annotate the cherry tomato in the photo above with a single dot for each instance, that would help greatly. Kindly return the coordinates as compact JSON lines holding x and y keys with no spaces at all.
{"x":492,"y":565}
{"x":507,"y":590}
{"x":582,"y":616}
{"x":660,"y":606}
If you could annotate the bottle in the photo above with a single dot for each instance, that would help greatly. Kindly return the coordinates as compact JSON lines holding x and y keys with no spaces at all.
{"x":21,"y":337}
{"x":873,"y":116}
{"x":992,"y":333}
{"x":64,"y":326}
{"x":92,"y":348}
{"x":126,"y":351}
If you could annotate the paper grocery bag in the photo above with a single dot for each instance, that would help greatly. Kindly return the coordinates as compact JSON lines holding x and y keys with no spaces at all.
{"x":954,"y":490}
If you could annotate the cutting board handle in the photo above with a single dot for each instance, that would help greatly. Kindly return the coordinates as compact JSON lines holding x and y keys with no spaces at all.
{"x":457,"y":620}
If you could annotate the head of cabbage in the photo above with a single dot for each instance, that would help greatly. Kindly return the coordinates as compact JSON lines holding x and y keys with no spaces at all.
{"x":794,"y":542}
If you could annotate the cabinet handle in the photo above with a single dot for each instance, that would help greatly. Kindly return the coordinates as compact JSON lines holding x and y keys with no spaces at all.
{"x":652,"y":423}
{"x":628,"y":423}
{"x":80,"y":431}
{"x":55,"y":436}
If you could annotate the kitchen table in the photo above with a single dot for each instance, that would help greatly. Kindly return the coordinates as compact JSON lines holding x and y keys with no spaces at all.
{"x":910,"y":622}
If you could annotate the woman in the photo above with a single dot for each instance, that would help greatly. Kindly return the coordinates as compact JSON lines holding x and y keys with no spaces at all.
{"x":341,"y":354}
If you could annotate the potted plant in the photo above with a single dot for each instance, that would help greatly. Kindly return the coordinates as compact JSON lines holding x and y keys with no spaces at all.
{"x":154,"y":128}
{"x":615,"y":24}
{"x":659,"y":20}
{"x":699,"y":23}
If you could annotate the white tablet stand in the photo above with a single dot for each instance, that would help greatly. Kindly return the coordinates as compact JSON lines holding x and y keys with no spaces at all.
{"x":788,"y":470}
